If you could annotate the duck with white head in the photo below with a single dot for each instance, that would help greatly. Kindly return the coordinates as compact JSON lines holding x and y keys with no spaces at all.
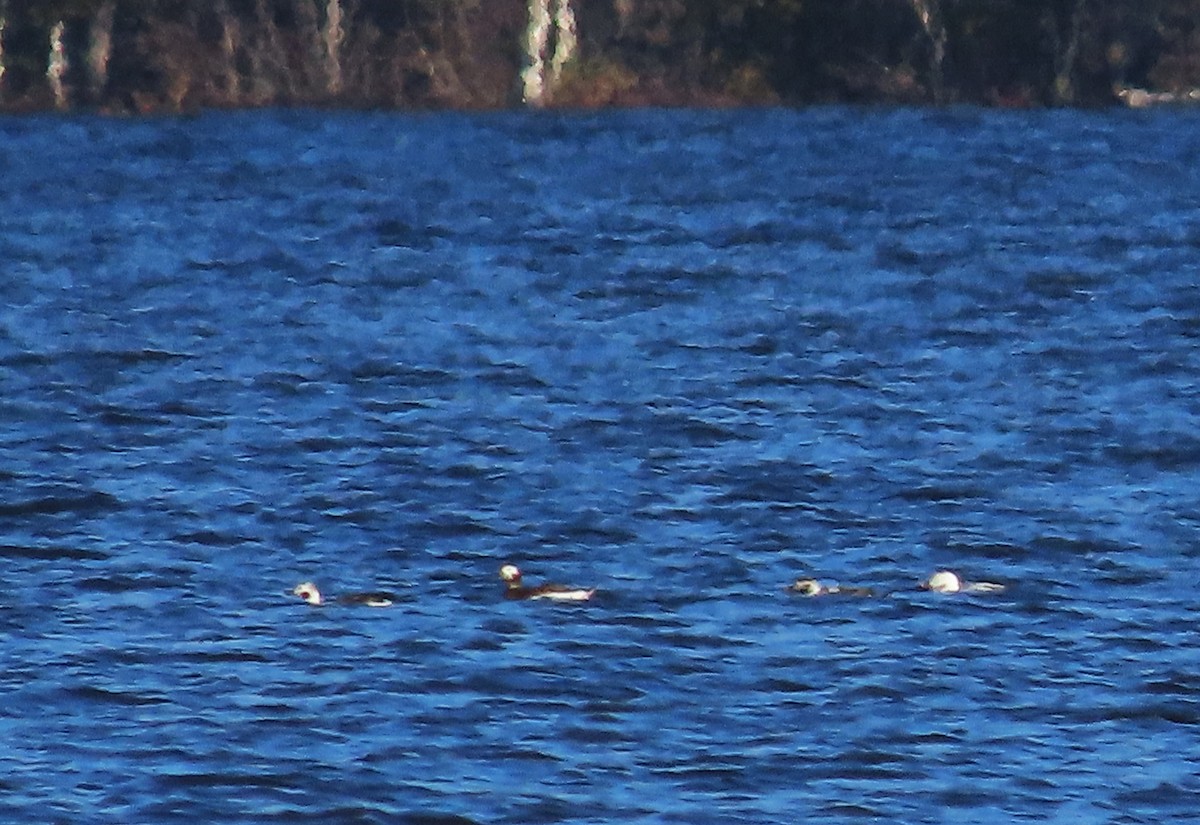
{"x":514,"y":589}
{"x":309,"y":592}
{"x":813,"y":587}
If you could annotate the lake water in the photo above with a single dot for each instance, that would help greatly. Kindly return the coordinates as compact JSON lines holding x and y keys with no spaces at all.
{"x":684,"y":357}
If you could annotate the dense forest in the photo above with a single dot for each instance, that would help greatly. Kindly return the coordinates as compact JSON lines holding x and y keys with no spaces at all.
{"x":171,"y":55}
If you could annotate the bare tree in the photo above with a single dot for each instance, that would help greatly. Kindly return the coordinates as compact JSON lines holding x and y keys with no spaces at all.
{"x":3,"y":26}
{"x":1066,"y":53}
{"x":57,"y":65}
{"x":929,"y":12}
{"x":269,"y":71}
{"x":533,"y":78}
{"x":100,"y":38}
{"x":551,"y":42}
{"x":230,"y":44}
{"x":624,"y":11}
{"x":334,"y":34}
{"x":566,"y":40}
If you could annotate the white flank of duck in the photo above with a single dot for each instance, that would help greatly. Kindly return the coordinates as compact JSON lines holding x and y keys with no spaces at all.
{"x":945,"y":581}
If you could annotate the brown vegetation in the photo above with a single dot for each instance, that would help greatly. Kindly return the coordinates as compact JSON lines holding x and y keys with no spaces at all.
{"x":149,"y":55}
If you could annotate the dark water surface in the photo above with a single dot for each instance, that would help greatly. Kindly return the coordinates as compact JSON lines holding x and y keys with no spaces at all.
{"x":684,"y":357}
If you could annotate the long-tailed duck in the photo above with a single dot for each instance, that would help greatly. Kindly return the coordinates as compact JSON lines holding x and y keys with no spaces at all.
{"x":515,"y":590}
{"x":309,"y":592}
{"x":944,"y":581}
{"x":812,"y":587}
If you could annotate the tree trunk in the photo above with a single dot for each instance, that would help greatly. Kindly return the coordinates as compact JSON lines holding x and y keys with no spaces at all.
{"x":533,"y":78}
{"x":538,"y":83}
{"x":1065,"y":56}
{"x":3,"y":25}
{"x":57,"y":65}
{"x":624,"y":11}
{"x":229,"y":48}
{"x":100,"y":48}
{"x":929,"y":12}
{"x":270,"y":75}
{"x":566,"y":40}
{"x":334,"y":35}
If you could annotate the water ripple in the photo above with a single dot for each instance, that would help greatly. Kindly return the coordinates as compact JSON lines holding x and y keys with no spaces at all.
{"x":684,"y":357}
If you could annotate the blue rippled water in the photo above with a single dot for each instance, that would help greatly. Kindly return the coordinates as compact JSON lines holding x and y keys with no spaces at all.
{"x":684,"y":357}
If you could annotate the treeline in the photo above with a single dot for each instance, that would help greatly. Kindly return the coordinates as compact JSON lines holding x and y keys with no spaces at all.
{"x":152,"y":55}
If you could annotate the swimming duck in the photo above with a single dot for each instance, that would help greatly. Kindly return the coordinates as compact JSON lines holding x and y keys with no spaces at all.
{"x":309,"y":592}
{"x":515,"y":590}
{"x":944,"y":581}
{"x":812,"y":587}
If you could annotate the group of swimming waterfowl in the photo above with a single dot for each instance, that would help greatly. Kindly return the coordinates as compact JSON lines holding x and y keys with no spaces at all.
{"x":943,"y":581}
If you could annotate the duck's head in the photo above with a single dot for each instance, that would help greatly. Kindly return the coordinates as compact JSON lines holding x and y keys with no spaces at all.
{"x":510,"y":574}
{"x":806,"y":587}
{"x":943,"y":581}
{"x":307,"y":591}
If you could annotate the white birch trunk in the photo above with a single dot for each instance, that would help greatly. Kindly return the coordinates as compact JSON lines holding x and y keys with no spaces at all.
{"x":547,"y":27}
{"x":3,"y":25}
{"x":533,"y":78}
{"x":57,"y":65}
{"x":566,"y":40}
